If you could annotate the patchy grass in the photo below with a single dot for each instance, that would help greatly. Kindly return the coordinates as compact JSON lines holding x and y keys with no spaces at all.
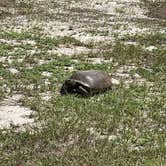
{"x":156,"y":8}
{"x":155,"y":39}
{"x":124,"y":126}
{"x":119,"y":127}
{"x":15,"y":35}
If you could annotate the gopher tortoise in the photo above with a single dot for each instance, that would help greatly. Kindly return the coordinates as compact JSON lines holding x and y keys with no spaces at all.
{"x":87,"y":83}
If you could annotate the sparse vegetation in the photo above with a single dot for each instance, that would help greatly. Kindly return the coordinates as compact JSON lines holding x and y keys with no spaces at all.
{"x":124,"y":126}
{"x":156,"y":8}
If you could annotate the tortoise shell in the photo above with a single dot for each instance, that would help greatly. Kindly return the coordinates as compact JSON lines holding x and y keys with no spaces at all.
{"x":87,"y":82}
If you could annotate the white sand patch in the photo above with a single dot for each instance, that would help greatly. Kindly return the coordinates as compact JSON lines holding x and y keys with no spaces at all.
{"x":91,"y":38}
{"x":46,"y":96}
{"x":73,"y":24}
{"x":30,"y":42}
{"x":17,"y":43}
{"x":137,"y":76}
{"x":46,"y":74}
{"x":13,"y":70}
{"x":126,"y":68}
{"x":3,"y":59}
{"x":75,"y":60}
{"x":12,"y":113}
{"x":34,"y":51}
{"x":132,"y":30}
{"x":130,"y":8}
{"x":62,"y":50}
{"x":5,"y":88}
{"x":122,"y":75}
{"x":57,"y":28}
{"x":6,"y":59}
{"x":41,"y":61}
{"x":46,"y":82}
{"x":20,"y":60}
{"x":151,"y":48}
{"x":29,"y":67}
{"x":131,"y":43}
{"x":115,"y":81}
{"x":9,"y":59}
{"x":11,"y":42}
{"x":99,"y":60}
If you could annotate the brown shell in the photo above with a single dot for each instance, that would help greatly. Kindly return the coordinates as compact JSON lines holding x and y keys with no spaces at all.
{"x":87,"y":82}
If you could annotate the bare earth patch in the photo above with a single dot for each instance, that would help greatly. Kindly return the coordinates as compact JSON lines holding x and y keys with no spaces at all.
{"x":12,"y":113}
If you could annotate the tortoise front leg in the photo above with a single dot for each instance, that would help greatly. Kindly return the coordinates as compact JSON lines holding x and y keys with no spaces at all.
{"x":82,"y":90}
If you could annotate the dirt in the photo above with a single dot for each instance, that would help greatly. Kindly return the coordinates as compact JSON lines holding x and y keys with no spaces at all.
{"x":13,"y":114}
{"x":156,"y":9}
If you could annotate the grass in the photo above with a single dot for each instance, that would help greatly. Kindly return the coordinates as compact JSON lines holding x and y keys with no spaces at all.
{"x":75,"y":130}
{"x":124,"y":126}
{"x":156,"y":39}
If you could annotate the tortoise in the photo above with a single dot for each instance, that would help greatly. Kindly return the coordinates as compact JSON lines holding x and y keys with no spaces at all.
{"x":87,"y":82}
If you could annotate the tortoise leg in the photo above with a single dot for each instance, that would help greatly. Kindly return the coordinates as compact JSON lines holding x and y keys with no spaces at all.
{"x":82,"y":90}
{"x":63,"y":90}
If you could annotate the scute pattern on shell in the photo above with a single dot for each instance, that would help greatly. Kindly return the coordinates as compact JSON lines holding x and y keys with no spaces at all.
{"x":87,"y":82}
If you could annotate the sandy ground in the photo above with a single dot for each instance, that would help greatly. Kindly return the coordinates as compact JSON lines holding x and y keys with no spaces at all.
{"x":12,"y":113}
{"x":77,"y":19}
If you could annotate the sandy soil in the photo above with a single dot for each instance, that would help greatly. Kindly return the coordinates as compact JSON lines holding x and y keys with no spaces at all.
{"x":13,"y":114}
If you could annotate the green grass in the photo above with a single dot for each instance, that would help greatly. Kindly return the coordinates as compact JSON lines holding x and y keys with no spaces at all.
{"x":124,"y":126}
{"x":156,"y":39}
